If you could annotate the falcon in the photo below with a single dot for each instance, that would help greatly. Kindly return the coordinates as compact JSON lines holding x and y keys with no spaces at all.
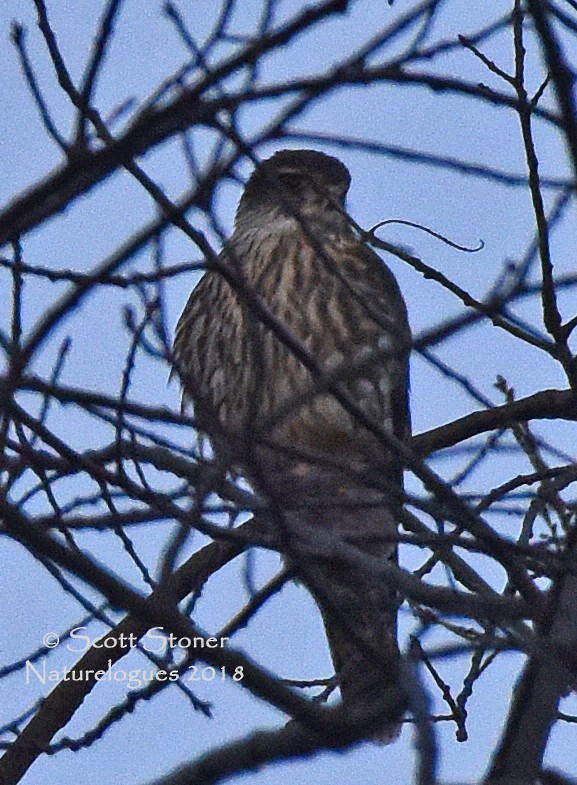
{"x":293,"y":349}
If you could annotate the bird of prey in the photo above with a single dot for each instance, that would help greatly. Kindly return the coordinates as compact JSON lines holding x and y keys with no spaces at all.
{"x":293,"y":349}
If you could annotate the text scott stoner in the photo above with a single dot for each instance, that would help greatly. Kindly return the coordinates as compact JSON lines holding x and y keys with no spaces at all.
{"x":155,"y":640}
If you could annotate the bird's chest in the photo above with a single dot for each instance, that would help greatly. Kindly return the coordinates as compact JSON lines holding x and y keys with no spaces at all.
{"x":320,"y":297}
{"x":318,"y":293}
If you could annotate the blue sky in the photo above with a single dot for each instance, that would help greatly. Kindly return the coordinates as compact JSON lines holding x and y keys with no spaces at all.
{"x":287,"y":635}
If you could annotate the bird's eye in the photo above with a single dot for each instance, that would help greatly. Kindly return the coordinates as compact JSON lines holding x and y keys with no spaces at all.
{"x":290,"y":180}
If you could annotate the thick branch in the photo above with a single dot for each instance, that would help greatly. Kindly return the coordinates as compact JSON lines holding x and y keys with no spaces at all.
{"x":545,"y":405}
{"x":252,"y":752}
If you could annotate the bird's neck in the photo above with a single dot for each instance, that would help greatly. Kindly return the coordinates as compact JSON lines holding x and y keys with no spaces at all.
{"x":317,"y":224}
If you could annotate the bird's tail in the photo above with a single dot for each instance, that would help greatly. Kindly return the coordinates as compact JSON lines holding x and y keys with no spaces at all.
{"x":359,"y":608}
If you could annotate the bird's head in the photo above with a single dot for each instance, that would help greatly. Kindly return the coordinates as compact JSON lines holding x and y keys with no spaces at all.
{"x":293,"y":184}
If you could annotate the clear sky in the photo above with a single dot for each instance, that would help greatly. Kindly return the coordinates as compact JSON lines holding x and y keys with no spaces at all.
{"x":287,"y":636}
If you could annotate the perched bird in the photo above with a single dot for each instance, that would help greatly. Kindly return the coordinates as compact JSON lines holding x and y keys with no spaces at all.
{"x":294,"y":349}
